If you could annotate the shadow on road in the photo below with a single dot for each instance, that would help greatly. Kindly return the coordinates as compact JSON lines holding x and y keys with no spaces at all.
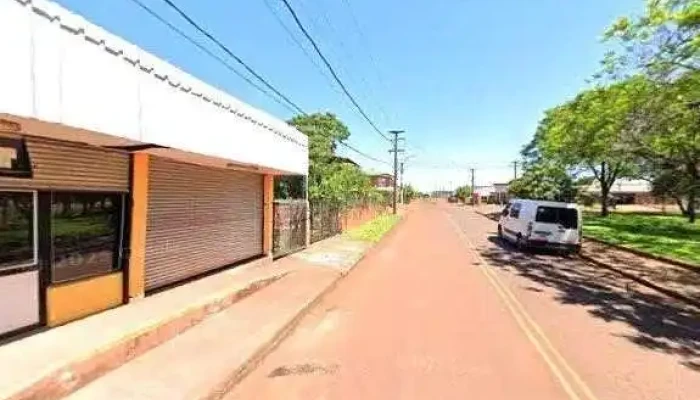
{"x":660,"y":324}
{"x":685,"y":280}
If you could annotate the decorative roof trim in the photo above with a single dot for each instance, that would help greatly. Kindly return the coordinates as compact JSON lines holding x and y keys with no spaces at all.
{"x":70,"y":23}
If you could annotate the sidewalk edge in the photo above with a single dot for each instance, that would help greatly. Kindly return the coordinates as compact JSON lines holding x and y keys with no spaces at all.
{"x":689,"y":266}
{"x":86,"y":368}
{"x":668,"y":292}
{"x":288,"y":328}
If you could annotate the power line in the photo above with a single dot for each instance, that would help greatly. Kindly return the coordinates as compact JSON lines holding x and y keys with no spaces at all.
{"x":232,"y":69}
{"x":209,"y":53}
{"x":298,"y":43}
{"x":368,"y":48}
{"x":330,"y":68}
{"x":230,"y":53}
{"x":363,"y":154}
{"x":349,"y":55}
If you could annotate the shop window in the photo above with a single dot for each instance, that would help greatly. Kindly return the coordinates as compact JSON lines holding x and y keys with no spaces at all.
{"x":86,"y":232}
{"x":14,"y":159}
{"x":17,"y":229}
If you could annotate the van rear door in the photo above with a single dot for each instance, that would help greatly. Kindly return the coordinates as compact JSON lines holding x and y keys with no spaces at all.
{"x":556,"y":225}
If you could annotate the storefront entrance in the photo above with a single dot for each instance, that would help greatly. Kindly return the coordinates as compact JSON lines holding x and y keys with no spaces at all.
{"x":62,"y":230}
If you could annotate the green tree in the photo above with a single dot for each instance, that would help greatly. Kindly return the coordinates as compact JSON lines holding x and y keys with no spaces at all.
{"x":664,"y":137}
{"x":409,"y":193}
{"x":543,"y":181}
{"x":586,"y":134}
{"x":464,"y":192}
{"x":330,"y":180}
{"x":664,"y":45}
{"x":664,"y":42}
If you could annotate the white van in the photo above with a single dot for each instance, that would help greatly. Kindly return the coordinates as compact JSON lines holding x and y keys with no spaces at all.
{"x":534,"y":223}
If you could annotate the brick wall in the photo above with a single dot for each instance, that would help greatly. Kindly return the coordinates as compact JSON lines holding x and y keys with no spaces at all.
{"x":357,"y":216}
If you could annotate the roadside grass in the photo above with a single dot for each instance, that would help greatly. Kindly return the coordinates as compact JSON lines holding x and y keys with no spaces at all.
{"x":374,"y":230}
{"x":662,"y":235}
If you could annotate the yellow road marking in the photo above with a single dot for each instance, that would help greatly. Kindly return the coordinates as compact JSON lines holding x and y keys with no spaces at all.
{"x":531,"y":329}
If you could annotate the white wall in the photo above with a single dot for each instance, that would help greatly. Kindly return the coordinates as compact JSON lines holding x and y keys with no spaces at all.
{"x":19,"y":301}
{"x":58,"y":67}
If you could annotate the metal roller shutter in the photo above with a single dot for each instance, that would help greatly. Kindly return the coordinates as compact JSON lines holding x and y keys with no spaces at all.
{"x":60,"y":165}
{"x":200,"y":219}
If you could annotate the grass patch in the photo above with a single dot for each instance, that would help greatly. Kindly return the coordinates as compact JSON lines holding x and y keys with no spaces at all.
{"x":662,"y":235}
{"x":374,"y":230}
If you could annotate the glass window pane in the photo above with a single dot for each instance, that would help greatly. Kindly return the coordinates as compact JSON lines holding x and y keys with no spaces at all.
{"x":85,"y":233}
{"x":567,"y":217}
{"x":16,"y":229}
{"x":14,"y":160}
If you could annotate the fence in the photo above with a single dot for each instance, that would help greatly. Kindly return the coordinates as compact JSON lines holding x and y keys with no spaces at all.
{"x":289,"y":230}
{"x":325,"y":220}
{"x":329,"y":219}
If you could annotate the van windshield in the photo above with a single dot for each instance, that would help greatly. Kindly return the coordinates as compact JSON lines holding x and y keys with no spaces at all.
{"x":567,"y":217}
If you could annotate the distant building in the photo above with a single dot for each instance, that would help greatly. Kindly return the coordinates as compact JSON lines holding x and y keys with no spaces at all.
{"x":628,"y":191}
{"x":442,"y":193}
{"x":496,"y":193}
{"x":383,"y":182}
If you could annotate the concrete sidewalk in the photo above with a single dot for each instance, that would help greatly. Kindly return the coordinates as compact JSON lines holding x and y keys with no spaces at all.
{"x":156,"y":348}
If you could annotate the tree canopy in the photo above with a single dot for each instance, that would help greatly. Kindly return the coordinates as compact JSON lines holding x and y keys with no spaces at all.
{"x":543,"y":181}
{"x":663,"y":45}
{"x":331,"y":179}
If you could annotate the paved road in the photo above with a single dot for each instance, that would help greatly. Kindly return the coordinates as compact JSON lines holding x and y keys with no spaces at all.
{"x":441,"y":310}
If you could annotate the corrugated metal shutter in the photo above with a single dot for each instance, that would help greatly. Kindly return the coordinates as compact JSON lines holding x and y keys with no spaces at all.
{"x":60,"y":165}
{"x":200,"y":219}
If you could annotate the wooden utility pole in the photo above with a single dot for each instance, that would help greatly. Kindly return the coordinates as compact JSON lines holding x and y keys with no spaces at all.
{"x":473,"y":188}
{"x":396,"y":152}
{"x":401,"y":181}
{"x":515,"y":170}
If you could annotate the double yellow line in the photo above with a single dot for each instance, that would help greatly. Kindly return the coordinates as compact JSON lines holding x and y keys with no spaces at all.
{"x":569,"y":380}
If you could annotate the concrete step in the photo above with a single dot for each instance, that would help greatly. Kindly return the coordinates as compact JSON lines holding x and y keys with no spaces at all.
{"x":207,"y":360}
{"x":54,"y":363}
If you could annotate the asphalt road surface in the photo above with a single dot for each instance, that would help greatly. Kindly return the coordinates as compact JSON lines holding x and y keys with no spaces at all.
{"x":442,"y":310}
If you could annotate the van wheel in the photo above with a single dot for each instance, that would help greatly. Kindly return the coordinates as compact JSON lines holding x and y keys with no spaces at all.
{"x":519,"y":243}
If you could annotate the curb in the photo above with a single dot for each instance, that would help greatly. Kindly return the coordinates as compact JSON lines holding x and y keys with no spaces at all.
{"x":285,"y":331}
{"x":689,"y":266}
{"x":671,"y":293}
{"x":649,"y":284}
{"x":86,"y":368}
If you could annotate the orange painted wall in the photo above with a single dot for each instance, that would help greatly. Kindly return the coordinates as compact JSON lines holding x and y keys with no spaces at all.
{"x":139,"y":215}
{"x":70,"y":301}
{"x":268,"y":199}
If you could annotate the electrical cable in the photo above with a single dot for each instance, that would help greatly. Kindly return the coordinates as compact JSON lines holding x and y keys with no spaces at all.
{"x":223,"y":47}
{"x":232,"y":69}
{"x":330,"y":68}
{"x":210,"y":53}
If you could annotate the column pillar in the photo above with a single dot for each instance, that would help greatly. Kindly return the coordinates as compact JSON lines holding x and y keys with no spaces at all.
{"x":268,"y":212}
{"x":139,"y":218}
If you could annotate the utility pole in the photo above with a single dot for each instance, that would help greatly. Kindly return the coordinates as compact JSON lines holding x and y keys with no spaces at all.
{"x":396,"y":152}
{"x":515,"y":170}
{"x":473,"y":188}
{"x":401,"y":180}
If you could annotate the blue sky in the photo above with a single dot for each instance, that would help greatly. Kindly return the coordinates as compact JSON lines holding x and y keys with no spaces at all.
{"x":467,"y":79}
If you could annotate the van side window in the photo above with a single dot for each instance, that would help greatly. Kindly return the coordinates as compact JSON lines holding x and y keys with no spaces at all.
{"x":515,"y":210}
